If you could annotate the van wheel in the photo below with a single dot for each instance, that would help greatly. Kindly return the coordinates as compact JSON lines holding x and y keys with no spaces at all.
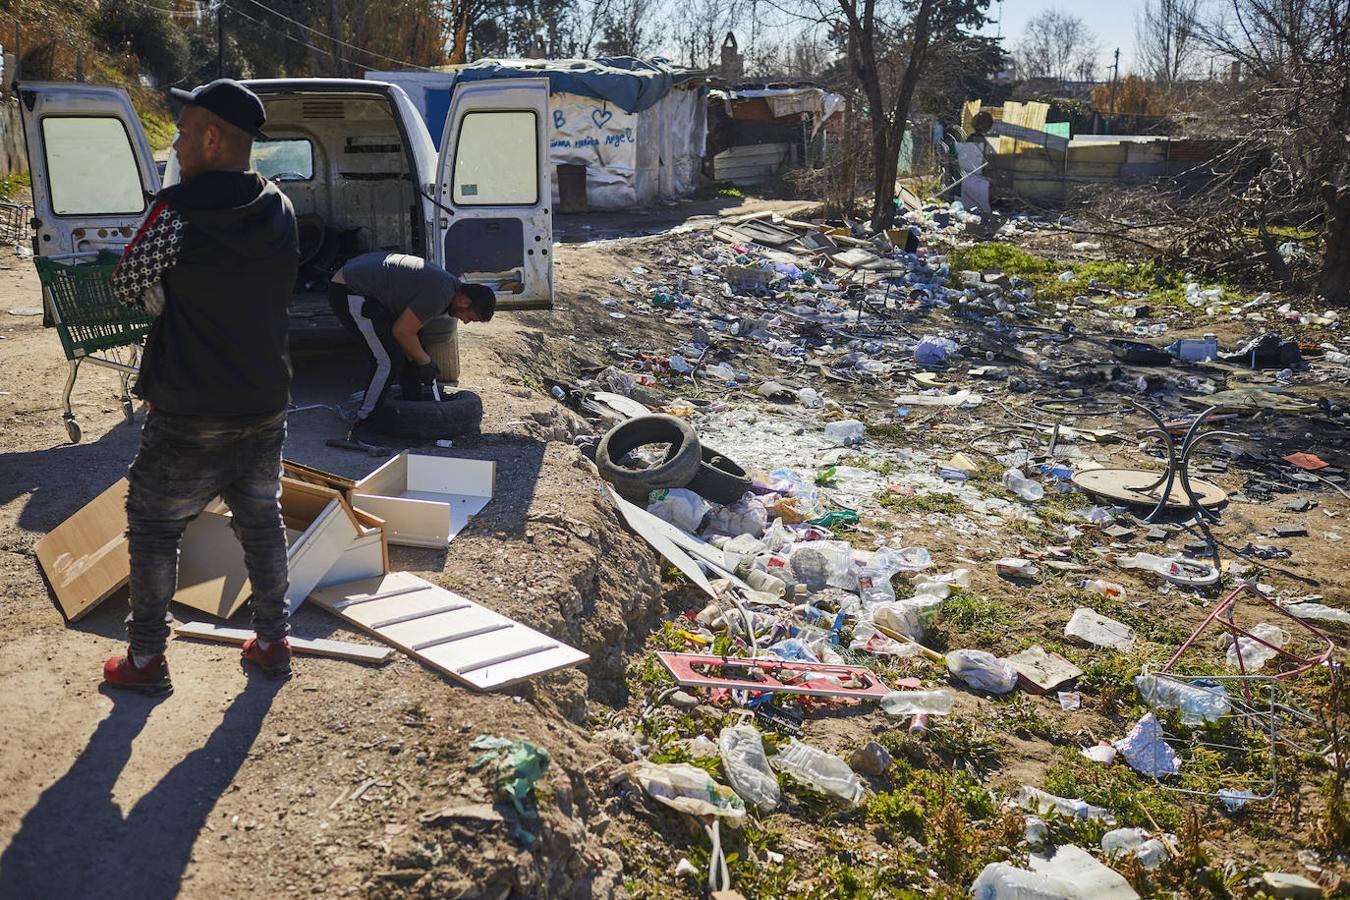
{"x":459,"y":414}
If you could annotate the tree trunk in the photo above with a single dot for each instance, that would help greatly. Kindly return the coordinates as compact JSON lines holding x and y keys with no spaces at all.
{"x":887,"y":167}
{"x":459,"y":50}
{"x":335,"y":34}
{"x":1335,"y":282}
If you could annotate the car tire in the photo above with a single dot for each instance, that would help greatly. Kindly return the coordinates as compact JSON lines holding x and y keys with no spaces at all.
{"x":718,"y":479}
{"x":675,"y":471}
{"x":459,"y":414}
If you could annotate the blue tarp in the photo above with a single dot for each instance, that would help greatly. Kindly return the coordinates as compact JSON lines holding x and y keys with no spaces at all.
{"x":630,"y":84}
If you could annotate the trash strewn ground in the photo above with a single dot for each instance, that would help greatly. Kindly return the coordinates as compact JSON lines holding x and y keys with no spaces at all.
{"x":931,"y":431}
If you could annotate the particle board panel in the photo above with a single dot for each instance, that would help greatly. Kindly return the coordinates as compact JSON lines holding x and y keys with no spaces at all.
{"x":212,"y":576}
{"x":365,"y":558}
{"x":425,"y":501}
{"x":464,"y":640}
{"x":312,"y":646}
{"x":85,"y":557}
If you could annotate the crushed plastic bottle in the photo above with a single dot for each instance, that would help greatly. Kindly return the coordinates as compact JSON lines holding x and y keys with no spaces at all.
{"x":810,"y":398}
{"x":1040,"y":802}
{"x":1198,"y":702}
{"x":821,"y":771}
{"x":747,"y":766}
{"x":1254,"y":653}
{"x":910,"y":703}
{"x":1022,"y":486}
{"x":848,"y":433}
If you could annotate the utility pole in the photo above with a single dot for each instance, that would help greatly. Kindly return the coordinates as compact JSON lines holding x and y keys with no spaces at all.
{"x":220,"y":41}
{"x":1115,"y":76}
{"x":335,"y":31}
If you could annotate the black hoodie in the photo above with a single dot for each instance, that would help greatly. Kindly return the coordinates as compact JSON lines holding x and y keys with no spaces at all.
{"x":219,"y":347}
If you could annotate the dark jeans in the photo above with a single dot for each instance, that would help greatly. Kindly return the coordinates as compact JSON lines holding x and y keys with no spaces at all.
{"x":184,"y":462}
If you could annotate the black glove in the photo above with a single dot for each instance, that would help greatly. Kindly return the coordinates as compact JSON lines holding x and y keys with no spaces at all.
{"x":428,"y":372}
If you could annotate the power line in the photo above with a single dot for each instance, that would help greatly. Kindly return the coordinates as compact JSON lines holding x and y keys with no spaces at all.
{"x":328,"y":37}
{"x":290,"y":37}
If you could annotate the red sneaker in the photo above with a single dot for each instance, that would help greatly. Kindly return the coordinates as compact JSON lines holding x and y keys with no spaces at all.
{"x":151,"y":679}
{"x":275,"y":661}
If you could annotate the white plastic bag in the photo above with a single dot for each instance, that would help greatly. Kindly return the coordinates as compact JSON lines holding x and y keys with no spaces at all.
{"x":748,"y":768}
{"x":982,"y":671}
{"x":680,"y":507}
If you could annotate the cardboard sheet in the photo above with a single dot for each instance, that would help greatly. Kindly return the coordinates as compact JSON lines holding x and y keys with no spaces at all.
{"x":85,"y":557}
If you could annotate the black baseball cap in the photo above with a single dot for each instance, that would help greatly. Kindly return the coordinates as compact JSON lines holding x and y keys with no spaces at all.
{"x":231,"y":101}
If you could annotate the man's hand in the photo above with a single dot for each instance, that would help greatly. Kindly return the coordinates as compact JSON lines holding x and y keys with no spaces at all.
{"x":428,"y":372}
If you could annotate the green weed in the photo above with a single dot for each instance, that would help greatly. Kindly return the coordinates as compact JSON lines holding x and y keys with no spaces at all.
{"x":10,"y":184}
{"x":947,"y":504}
{"x":1117,"y":788}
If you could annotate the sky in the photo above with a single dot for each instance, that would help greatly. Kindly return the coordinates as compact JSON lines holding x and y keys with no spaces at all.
{"x":1112,"y":21}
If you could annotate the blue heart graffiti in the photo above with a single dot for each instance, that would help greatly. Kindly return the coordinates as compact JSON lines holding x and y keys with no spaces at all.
{"x":601,"y":117}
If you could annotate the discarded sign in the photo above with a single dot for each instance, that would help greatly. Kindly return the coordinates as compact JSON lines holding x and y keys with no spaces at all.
{"x":764,"y":675}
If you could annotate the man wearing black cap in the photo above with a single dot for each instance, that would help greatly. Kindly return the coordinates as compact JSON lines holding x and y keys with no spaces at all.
{"x":214,"y":262}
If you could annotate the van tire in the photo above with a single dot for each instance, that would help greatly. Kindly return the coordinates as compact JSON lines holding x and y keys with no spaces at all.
{"x":675,"y":471}
{"x":718,"y":479}
{"x":459,"y":414}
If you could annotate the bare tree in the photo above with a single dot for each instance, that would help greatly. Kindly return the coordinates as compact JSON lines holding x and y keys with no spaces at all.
{"x":699,"y":28}
{"x":1166,"y":40}
{"x":1057,"y":45}
{"x":1296,"y":107}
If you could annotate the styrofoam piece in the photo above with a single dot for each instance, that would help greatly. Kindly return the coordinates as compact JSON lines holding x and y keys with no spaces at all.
{"x":450,"y":633}
{"x":425,"y":501}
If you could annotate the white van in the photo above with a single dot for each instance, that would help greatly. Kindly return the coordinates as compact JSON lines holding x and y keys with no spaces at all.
{"x":357,"y":162}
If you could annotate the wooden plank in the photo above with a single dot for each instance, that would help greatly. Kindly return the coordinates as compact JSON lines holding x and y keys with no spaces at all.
{"x":473,"y":645}
{"x":312,"y":646}
{"x":212,"y":576}
{"x":85,"y":557}
{"x":389,"y":479}
{"x":457,"y":477}
{"x":302,"y":472}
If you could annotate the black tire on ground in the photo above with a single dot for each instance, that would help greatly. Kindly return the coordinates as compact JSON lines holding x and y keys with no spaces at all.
{"x":718,"y":479}
{"x":675,"y":471}
{"x":459,"y":414}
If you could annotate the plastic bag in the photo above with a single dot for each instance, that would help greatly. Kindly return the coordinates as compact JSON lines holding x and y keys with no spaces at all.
{"x":746,"y":516}
{"x":1146,"y":751}
{"x":747,"y":767}
{"x":982,"y":671}
{"x":680,"y":507}
{"x":690,"y":790}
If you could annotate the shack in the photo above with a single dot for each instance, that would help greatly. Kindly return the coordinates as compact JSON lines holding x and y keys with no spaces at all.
{"x":624,"y":132}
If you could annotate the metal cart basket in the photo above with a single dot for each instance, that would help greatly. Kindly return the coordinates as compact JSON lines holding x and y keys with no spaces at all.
{"x":93,"y":326}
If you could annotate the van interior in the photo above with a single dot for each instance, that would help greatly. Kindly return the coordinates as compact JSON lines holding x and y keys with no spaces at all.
{"x":344,"y":163}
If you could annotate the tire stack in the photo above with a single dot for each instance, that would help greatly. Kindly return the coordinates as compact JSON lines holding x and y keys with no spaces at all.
{"x":686,"y":464}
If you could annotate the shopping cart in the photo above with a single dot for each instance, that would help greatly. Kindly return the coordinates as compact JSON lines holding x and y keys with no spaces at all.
{"x":93,"y":326}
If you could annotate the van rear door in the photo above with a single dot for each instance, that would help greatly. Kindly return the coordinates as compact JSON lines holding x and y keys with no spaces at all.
{"x":494,"y":221}
{"x":92,"y":170}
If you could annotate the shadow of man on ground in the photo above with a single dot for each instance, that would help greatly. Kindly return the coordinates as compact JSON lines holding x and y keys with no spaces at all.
{"x":75,"y":841}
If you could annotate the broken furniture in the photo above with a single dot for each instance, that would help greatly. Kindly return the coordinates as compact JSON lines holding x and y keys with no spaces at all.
{"x":92,"y":325}
{"x":447,"y":632}
{"x":425,"y":501}
{"x":85,"y":558}
{"x":1131,"y":486}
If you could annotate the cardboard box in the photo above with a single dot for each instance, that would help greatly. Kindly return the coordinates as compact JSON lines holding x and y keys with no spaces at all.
{"x":425,"y":501}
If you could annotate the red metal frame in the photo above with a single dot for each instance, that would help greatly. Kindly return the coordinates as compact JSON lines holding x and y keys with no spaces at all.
{"x":681,"y":665}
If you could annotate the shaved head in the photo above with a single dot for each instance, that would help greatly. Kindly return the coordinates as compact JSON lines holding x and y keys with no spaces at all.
{"x":206,"y":142}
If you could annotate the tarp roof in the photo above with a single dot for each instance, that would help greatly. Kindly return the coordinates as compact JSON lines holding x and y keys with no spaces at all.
{"x":630,"y":84}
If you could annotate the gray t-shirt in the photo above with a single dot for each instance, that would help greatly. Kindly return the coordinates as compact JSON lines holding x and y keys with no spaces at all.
{"x":400,"y":282}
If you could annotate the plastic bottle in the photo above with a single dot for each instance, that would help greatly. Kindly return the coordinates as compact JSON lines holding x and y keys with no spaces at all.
{"x":1022,"y":486}
{"x":848,"y":433}
{"x":820,"y":770}
{"x":747,"y":767}
{"x":1108,"y":589}
{"x":1197,"y":702}
{"x":908,"y":703}
{"x":874,"y":586}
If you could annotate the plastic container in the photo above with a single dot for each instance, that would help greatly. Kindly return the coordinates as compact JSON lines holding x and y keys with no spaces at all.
{"x":820,"y":771}
{"x":1197,"y":702}
{"x":747,"y":767}
{"x":848,"y":433}
{"x":1022,"y":486}
{"x":1195,"y":350}
{"x":910,"y":703}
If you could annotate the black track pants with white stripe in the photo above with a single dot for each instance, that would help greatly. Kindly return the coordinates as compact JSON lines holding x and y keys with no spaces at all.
{"x":368,"y":319}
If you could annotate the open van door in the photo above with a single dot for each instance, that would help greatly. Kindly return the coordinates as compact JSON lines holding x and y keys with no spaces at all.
{"x":92,"y":170}
{"x":494,"y":216}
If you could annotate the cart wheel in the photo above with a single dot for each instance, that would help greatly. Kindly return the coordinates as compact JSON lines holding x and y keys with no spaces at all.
{"x":73,"y":430}
{"x":128,"y":410}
